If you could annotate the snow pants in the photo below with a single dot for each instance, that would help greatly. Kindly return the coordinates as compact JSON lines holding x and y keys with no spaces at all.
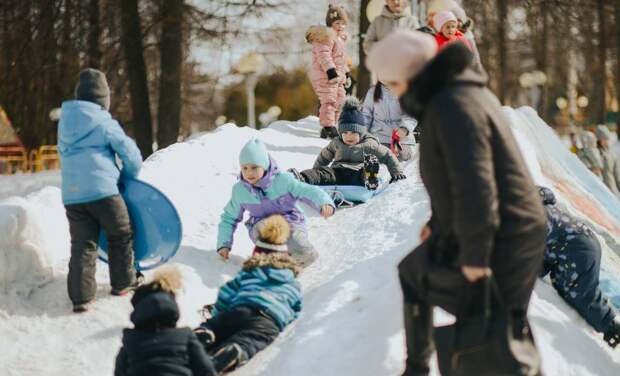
{"x":331,"y":97}
{"x":574,"y":265}
{"x":85,"y":223}
{"x":246,"y":326}
{"x":333,"y":176}
{"x":299,"y":247}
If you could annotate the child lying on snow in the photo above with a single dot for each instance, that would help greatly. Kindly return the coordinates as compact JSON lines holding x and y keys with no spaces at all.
{"x":252,"y":309}
{"x":573,"y":260}
{"x":155,"y":346}
{"x":264,"y":190}
{"x":354,"y":156}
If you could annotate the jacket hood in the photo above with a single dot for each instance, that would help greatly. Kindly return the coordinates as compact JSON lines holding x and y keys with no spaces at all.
{"x":453,"y":66}
{"x":79,"y":119}
{"x":159,"y":306}
{"x":320,"y":34}
{"x":277,"y":262}
{"x":267,"y":180}
{"x":386,"y":12}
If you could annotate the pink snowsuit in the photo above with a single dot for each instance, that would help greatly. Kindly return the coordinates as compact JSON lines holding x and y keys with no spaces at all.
{"x":328,"y":51}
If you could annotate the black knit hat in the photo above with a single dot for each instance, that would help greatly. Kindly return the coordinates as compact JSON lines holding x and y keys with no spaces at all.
{"x":351,"y":118}
{"x":93,"y":87}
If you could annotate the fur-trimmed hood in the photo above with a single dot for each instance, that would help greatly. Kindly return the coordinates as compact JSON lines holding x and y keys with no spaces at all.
{"x":320,"y":34}
{"x":451,"y":67}
{"x":274,"y":260}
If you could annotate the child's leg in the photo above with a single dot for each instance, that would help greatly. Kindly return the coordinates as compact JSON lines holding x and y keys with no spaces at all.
{"x":576,"y":278}
{"x":319,"y":176}
{"x":300,"y":248}
{"x":84,"y":230}
{"x":348,"y":176}
{"x":112,"y":214}
{"x":341,"y":95}
{"x":328,"y":97}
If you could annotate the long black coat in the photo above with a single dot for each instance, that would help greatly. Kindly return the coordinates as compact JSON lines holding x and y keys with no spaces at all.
{"x":486,"y":209}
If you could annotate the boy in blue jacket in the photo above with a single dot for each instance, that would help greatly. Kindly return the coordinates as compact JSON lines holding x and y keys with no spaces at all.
{"x":252,"y":309}
{"x":89,"y":141}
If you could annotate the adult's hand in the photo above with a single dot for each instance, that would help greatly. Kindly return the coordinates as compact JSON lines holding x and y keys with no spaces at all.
{"x":425,"y":233}
{"x":224,"y":253}
{"x":474,"y":273}
{"x":327,"y":211}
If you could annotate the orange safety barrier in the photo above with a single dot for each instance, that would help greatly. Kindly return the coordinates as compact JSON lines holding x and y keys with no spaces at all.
{"x":13,"y":159}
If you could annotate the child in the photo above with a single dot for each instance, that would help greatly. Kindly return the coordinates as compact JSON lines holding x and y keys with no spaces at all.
{"x":573,"y":260}
{"x":89,"y":141}
{"x":252,"y":309}
{"x":387,"y":122}
{"x":353,"y":158}
{"x":396,"y":14}
{"x":263,"y":190}
{"x":446,"y":24}
{"x":156,"y":346}
{"x":590,"y":155}
{"x":610,"y":170}
{"x":329,"y":67}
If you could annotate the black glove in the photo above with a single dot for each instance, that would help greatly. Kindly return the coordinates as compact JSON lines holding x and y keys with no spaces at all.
{"x":331,"y":73}
{"x":397,"y":177}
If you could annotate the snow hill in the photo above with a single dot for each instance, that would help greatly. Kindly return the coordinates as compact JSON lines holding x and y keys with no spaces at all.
{"x":351,"y":322}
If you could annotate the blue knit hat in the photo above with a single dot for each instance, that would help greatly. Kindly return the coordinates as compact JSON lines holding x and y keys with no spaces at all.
{"x":255,"y":152}
{"x":351,"y":117}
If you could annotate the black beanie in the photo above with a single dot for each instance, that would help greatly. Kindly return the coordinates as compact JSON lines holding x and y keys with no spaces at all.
{"x":93,"y":87}
{"x":351,"y":118}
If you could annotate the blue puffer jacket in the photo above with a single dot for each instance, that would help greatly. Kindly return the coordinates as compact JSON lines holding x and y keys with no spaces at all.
{"x":267,"y":282}
{"x":88,"y":142}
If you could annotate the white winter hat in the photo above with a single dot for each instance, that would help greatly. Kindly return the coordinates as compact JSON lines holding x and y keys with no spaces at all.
{"x":443,"y":17}
{"x":401,"y":55}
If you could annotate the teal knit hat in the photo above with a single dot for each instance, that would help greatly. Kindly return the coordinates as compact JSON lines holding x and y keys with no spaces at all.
{"x":255,"y":152}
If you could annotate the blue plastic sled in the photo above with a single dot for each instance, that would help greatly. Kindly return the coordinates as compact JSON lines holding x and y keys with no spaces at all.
{"x":155,"y":222}
{"x":353,"y":193}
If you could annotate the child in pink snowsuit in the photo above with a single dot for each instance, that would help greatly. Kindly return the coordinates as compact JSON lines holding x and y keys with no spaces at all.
{"x":329,"y":67}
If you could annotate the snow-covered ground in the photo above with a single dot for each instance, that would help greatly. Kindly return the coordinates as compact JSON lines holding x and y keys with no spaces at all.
{"x":351,"y":321}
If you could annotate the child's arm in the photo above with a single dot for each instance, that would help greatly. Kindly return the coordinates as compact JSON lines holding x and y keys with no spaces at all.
{"x":311,"y":195}
{"x":126,"y":149}
{"x":226,"y":295}
{"x":232,"y":215}
{"x":386,"y":157}
{"x":199,"y":362}
{"x":324,"y":56}
{"x":368,"y":107}
{"x":326,"y":156}
{"x":120,"y":368}
{"x":371,"y":37}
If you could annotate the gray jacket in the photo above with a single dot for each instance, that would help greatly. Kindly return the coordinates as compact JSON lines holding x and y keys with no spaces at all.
{"x":611,"y":174}
{"x":386,"y":23}
{"x":385,"y":115}
{"x":341,"y":155}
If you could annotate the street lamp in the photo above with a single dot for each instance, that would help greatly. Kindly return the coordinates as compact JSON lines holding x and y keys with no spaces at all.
{"x":582,"y":101}
{"x":249,"y":66}
{"x":562,"y":103}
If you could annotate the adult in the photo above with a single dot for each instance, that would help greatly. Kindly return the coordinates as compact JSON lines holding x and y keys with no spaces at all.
{"x":611,"y":168}
{"x":395,"y":15}
{"x":486,"y":213}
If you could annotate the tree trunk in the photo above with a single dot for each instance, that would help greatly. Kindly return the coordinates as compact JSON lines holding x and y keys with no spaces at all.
{"x":171,"y":53}
{"x":94,"y":36}
{"x":502,"y":11}
{"x":602,"y":59}
{"x":363,"y":75}
{"x":138,"y":86}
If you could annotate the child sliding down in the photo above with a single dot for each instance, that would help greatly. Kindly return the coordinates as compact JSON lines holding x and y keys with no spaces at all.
{"x":252,"y":309}
{"x":263,"y":190}
{"x":354,"y":157}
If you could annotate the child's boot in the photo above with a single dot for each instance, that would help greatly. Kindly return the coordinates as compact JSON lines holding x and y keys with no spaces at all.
{"x":229,"y":357}
{"x":297,"y":175}
{"x":332,"y":132}
{"x":82,"y":307}
{"x":371,"y":171}
{"x":205,"y":336}
{"x":612,"y":335}
{"x":324,"y":132}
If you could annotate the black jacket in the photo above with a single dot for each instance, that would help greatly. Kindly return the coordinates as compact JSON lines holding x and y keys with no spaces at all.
{"x":485,"y":206}
{"x":161,"y":352}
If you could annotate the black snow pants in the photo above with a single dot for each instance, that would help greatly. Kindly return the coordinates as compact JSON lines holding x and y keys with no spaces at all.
{"x":574,"y":265}
{"x":246,"y":326}
{"x":333,"y":176}
{"x":85,"y":223}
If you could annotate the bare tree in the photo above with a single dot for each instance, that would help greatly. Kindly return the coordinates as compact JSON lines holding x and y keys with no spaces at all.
{"x":363,"y":75}
{"x":94,"y":36}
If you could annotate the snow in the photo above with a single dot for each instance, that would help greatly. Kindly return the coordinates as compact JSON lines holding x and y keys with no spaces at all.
{"x":351,"y":322}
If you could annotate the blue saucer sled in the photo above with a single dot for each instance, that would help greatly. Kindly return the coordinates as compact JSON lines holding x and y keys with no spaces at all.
{"x":155,"y":222}
{"x":351,"y":195}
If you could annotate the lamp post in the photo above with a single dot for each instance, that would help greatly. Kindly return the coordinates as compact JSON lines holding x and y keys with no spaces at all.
{"x":533,"y":81}
{"x":250,"y":65}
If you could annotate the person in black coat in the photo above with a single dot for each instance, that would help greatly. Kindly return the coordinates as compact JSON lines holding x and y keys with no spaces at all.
{"x":573,"y":262}
{"x":156,"y":347}
{"x":486,"y":213}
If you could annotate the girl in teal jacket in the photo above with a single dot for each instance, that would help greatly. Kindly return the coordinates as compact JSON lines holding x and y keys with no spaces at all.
{"x":263,"y":190}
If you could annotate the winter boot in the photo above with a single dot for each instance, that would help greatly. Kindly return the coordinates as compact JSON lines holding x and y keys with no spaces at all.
{"x":324,"y":132}
{"x":80,"y":308}
{"x":612,"y":335}
{"x":297,"y":175}
{"x":205,"y":336}
{"x":418,"y":336}
{"x":126,"y":290}
{"x":371,"y":171}
{"x":229,"y":357}
{"x":332,"y":132}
